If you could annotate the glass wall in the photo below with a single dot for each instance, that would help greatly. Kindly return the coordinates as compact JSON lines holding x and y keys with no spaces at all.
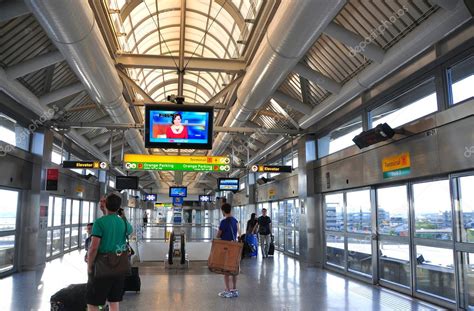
{"x":348,"y":224}
{"x":285,"y":215}
{"x":8,"y":220}
{"x":461,"y":80}
{"x":340,"y":138}
{"x":394,"y":232}
{"x":414,"y":104}
{"x":424,"y":244}
{"x":67,"y":221}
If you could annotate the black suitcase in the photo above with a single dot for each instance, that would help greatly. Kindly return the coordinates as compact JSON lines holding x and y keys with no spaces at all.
{"x":271,"y":249}
{"x":71,"y":298}
{"x":132,"y":282}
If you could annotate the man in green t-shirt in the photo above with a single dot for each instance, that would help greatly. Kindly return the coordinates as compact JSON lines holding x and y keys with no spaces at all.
{"x":108,"y":236}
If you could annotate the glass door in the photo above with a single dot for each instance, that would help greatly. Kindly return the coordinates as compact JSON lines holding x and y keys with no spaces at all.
{"x":432,"y":253}
{"x":464,"y":246}
{"x":8,"y":224}
{"x":359,"y":232}
{"x":348,"y":224}
{"x":394,"y":237}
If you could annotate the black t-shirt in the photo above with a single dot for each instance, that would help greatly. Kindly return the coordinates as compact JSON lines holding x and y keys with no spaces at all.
{"x":264,"y":225}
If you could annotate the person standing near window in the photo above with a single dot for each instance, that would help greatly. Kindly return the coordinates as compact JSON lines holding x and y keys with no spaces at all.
{"x":108,"y":236}
{"x":265,"y":232}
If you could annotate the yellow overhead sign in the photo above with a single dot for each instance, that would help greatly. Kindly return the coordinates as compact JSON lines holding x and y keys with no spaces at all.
{"x":141,"y":158}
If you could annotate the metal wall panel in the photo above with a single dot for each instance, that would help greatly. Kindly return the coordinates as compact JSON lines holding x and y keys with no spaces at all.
{"x":15,"y":171}
{"x":69,"y":182}
{"x":435,"y":150}
{"x":456,"y":146}
{"x":286,"y":187}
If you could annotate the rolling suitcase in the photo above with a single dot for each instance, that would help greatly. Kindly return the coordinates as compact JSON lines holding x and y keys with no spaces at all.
{"x":225,"y":257}
{"x":71,"y":298}
{"x":132,"y":282}
{"x":252,"y":242}
{"x":271,"y":249}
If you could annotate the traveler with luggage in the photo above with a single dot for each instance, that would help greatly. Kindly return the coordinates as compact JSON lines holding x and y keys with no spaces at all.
{"x":265,"y":232}
{"x":109,"y":235}
{"x":229,"y":231}
{"x":250,"y":237}
{"x":252,"y":224}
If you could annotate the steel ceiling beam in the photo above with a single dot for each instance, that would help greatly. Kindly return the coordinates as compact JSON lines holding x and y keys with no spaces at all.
{"x":61,"y":93}
{"x":225,"y":90}
{"x":293,"y":103}
{"x":182,"y":39}
{"x":317,"y":78}
{"x":194,"y":63}
{"x":135,"y":86}
{"x":33,"y":64}
{"x":353,"y":40}
{"x":97,"y":125}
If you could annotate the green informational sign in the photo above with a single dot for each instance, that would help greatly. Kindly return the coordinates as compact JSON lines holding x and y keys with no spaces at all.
{"x":178,"y":167}
{"x":397,"y":173}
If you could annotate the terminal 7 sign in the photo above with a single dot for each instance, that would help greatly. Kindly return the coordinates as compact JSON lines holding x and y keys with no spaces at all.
{"x":140,"y":162}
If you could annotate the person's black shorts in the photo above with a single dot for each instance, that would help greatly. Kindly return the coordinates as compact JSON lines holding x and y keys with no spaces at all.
{"x":100,"y":290}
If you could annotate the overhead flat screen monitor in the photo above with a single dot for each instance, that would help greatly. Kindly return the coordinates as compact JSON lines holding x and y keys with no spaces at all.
{"x":180,"y":192}
{"x":126,"y":182}
{"x":228,"y":184}
{"x":178,"y":126}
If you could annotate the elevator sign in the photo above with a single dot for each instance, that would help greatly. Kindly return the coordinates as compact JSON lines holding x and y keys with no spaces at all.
{"x":270,"y":169}
{"x":86,"y":164}
{"x":139,"y":162}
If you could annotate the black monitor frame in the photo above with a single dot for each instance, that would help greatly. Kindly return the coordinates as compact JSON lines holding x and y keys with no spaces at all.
{"x":219,"y":184}
{"x":171,"y":196}
{"x":129,"y":178}
{"x":210,"y":133}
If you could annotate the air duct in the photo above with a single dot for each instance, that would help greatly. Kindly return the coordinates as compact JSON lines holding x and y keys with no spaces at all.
{"x":71,"y":25}
{"x":293,"y":30}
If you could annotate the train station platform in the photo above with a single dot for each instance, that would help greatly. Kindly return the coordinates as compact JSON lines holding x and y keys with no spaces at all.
{"x":279,"y":283}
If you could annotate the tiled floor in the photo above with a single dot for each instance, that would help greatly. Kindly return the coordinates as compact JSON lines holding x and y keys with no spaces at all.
{"x":278,"y":283}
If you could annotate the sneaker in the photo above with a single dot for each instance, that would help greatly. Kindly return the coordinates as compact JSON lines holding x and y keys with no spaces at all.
{"x":234,"y":292}
{"x":225,"y":294}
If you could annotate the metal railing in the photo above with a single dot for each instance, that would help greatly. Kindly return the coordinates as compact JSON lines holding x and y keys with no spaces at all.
{"x":162,"y":232}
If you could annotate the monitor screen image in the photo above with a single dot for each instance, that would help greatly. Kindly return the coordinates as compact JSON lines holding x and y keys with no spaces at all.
{"x":205,"y":198}
{"x":230,"y":184}
{"x":126,"y":182}
{"x":150,"y":197}
{"x":178,"y":126}
{"x":178,"y":192}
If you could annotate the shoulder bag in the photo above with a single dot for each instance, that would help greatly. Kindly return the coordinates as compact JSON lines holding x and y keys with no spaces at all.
{"x":113,"y":264}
